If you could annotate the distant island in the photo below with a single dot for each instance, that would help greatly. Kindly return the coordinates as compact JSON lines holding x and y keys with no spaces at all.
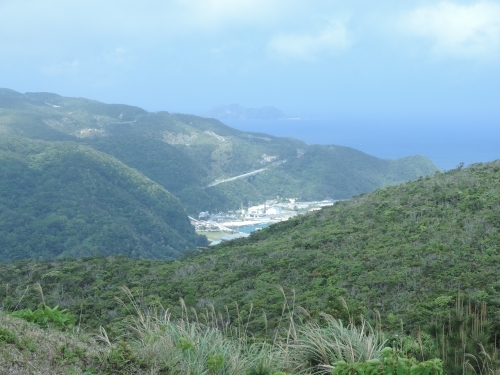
{"x":237,"y":112}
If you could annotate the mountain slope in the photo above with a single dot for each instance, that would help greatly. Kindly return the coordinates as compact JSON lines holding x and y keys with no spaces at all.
{"x":338,"y":172}
{"x":186,"y":153}
{"x":405,"y":251}
{"x":61,"y":199}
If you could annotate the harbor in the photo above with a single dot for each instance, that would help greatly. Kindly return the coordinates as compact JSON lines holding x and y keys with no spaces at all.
{"x":226,"y":226}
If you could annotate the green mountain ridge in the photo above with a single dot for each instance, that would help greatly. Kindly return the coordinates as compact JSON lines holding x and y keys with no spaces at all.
{"x":186,"y":153}
{"x":62,"y":199}
{"x":339,"y":170}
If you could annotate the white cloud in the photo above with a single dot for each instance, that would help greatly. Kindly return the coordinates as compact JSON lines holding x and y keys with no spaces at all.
{"x":467,"y":31}
{"x":309,"y":47}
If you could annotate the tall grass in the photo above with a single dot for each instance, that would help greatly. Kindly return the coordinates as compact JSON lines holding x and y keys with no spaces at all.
{"x":318,"y":347}
{"x":206,"y":343}
{"x":464,"y":341}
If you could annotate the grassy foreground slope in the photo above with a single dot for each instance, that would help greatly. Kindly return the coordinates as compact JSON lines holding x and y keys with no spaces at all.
{"x":403,"y":250}
{"x":61,"y":199}
{"x":27,"y":349}
{"x":156,"y":344}
{"x":185,"y":153}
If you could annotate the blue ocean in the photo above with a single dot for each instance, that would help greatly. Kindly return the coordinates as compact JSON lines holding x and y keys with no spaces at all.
{"x":447,"y":142}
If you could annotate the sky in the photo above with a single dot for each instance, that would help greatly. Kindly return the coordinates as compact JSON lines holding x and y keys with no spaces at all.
{"x":316,"y":59}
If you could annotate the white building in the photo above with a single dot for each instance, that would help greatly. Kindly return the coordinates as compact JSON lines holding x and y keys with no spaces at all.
{"x":275,"y":210}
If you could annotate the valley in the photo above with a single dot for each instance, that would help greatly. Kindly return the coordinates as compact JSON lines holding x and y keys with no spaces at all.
{"x":114,"y":214}
{"x":204,"y":164}
{"x":241,"y":187}
{"x":404,"y":257}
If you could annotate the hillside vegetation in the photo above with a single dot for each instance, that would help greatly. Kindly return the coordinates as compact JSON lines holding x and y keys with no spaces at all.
{"x":338,"y":172}
{"x":405,"y":251}
{"x":186,"y":153}
{"x":62,"y":199}
{"x":154,"y":343}
{"x":417,"y":259}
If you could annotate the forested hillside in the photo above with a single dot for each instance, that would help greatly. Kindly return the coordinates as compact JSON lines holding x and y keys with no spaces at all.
{"x":338,"y":172}
{"x":62,"y":199}
{"x":186,"y":153}
{"x":403,"y":252}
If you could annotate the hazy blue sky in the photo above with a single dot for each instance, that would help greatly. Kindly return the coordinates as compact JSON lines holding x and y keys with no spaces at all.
{"x":309,"y":58}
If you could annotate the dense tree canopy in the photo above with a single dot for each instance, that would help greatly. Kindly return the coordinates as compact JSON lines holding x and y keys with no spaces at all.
{"x":404,"y":251}
{"x":61,"y":199}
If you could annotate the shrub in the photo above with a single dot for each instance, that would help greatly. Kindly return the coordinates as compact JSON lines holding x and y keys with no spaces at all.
{"x":391,"y":364}
{"x":7,"y":336}
{"x":46,"y":316}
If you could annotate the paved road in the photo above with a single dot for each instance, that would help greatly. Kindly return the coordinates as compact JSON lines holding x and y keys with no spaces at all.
{"x":237,"y":177}
{"x":245,"y":174}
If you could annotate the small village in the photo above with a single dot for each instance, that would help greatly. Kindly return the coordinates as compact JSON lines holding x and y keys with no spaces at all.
{"x":226,"y":226}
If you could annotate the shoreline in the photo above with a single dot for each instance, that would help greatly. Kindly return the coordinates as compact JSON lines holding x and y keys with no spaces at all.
{"x":245,"y":223}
